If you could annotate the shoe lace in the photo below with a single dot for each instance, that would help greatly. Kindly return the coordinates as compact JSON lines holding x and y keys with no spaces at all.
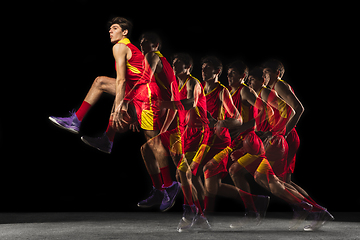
{"x":72,"y":112}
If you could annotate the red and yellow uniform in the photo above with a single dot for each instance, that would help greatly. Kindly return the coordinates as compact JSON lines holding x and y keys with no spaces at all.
{"x":248,"y":148}
{"x":276,"y":148}
{"x":216,"y":143}
{"x":164,"y":80}
{"x":142,"y":91}
{"x":293,"y":142}
{"x":192,"y":124}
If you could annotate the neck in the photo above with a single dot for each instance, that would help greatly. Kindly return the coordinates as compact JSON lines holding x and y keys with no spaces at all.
{"x":183,"y":77}
{"x":235,"y":86}
{"x":272,"y":82}
{"x":210,"y":84}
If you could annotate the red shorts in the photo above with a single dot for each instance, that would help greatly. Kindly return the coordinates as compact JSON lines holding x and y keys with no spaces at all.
{"x":145,"y":98}
{"x":252,"y":155}
{"x":171,"y":140}
{"x":293,"y":141}
{"x":276,"y":153}
{"x":213,"y":149}
{"x":192,"y":139}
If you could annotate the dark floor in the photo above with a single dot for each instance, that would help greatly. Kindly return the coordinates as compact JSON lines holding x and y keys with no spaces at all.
{"x":150,"y":225}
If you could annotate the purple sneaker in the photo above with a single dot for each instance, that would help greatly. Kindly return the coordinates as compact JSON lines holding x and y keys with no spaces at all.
{"x":71,"y":123}
{"x":156,"y":197}
{"x":320,"y":218}
{"x":171,"y":192}
{"x":101,"y":143}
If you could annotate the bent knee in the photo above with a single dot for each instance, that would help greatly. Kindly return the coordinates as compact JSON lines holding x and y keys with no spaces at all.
{"x":100,"y":82}
{"x":237,"y":169}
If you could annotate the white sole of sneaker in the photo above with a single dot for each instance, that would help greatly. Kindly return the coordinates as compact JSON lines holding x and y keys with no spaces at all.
{"x":62,"y":127}
{"x":87,"y":143}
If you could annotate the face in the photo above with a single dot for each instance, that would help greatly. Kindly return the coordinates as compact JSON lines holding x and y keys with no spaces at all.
{"x":147,"y":46}
{"x":208,"y":72}
{"x":255,"y":83}
{"x":179,"y":67}
{"x":234,"y":77}
{"x":269,"y":75}
{"x":116,"y":33}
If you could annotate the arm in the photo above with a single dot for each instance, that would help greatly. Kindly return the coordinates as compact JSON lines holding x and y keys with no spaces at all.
{"x":193,"y":92}
{"x":153,"y":60}
{"x":171,"y":113}
{"x":289,"y":97}
{"x":286,"y":112}
{"x":265,"y":110}
{"x":236,"y":119}
{"x":119,"y":52}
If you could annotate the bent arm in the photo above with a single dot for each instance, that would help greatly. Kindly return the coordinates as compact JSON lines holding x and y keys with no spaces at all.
{"x":290,"y":98}
{"x":235,"y":119}
{"x":119,"y":52}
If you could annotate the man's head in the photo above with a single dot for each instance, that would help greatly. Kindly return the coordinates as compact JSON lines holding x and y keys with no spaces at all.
{"x":272,"y":70}
{"x":182,"y":63}
{"x":237,"y":73}
{"x":150,"y":42}
{"x":211,"y":68}
{"x":119,"y":28}
{"x":256,"y":80}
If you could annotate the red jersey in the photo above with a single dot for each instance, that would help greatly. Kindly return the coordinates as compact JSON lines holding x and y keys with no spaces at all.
{"x":213,"y":103}
{"x":282,"y":112}
{"x":165,"y":78}
{"x":247,"y":112}
{"x":138,"y":70}
{"x":198,"y":114}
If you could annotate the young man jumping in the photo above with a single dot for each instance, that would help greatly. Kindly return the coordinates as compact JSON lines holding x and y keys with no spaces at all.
{"x":134,"y":88}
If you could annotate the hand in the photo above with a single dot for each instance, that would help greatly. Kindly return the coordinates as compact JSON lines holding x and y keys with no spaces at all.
{"x":135,"y":126}
{"x":117,"y":117}
{"x":116,"y":120}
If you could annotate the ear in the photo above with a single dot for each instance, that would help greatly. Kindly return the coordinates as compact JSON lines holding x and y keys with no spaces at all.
{"x":278,"y":73}
{"x":125,"y":32}
{"x":157,"y":45}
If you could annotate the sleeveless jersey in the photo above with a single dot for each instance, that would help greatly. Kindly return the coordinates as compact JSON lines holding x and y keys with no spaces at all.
{"x":138,"y":70}
{"x":164,"y":78}
{"x":198,"y":114}
{"x":213,"y":103}
{"x":283,"y":110}
{"x":247,"y":112}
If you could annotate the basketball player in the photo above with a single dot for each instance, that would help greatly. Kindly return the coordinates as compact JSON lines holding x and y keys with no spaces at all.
{"x":134,"y":90}
{"x":183,"y":142}
{"x":164,"y":189}
{"x":218,"y":101}
{"x":272,"y":73}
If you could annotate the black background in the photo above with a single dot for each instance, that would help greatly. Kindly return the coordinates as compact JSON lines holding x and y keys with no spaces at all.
{"x":45,"y":168}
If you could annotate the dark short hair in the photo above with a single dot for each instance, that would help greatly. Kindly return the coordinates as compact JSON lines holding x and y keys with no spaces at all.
{"x":214,"y":62}
{"x":256,"y":72}
{"x":275,"y":65}
{"x":241,"y":67}
{"x":123,"y":23}
{"x":186,"y":58}
{"x":152,"y":37}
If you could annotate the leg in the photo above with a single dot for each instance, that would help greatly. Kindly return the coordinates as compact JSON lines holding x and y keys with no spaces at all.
{"x":72,"y":123}
{"x":237,"y":174}
{"x":100,"y":85}
{"x":212,"y":187}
